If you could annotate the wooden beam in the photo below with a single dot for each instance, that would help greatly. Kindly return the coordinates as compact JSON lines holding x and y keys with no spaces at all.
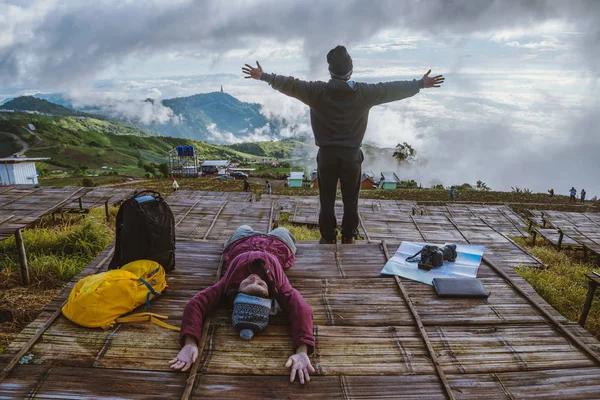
{"x":560,"y":239}
{"x":106,"y":211}
{"x":22,"y":257}
{"x":189,"y":383}
{"x":362,"y":225}
{"x":419,"y":229}
{"x":214,"y":220}
{"x":592,"y":285}
{"x":413,"y":310}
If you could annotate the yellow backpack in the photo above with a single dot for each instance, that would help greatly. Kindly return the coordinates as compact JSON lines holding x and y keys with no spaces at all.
{"x":97,"y":301}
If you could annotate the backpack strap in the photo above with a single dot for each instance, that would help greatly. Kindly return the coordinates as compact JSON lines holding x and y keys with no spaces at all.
{"x":151,"y":291}
{"x":146,"y":316}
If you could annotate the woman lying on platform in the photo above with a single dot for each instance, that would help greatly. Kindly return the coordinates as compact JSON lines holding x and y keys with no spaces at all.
{"x":256,"y":284}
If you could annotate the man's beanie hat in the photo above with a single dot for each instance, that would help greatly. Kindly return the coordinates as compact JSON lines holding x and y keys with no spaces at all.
{"x":340,"y":62}
{"x":250,"y":314}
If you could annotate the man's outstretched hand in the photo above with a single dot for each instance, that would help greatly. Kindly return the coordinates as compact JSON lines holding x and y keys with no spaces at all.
{"x":252,"y":72}
{"x":300,"y":364}
{"x":435,"y":81}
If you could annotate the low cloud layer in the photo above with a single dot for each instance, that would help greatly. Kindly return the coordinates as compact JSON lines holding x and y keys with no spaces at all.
{"x":48,"y":42}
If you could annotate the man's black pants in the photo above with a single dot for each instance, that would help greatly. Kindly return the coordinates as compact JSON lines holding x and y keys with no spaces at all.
{"x":343,"y":164}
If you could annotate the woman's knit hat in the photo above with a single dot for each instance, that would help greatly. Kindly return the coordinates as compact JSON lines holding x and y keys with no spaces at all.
{"x":250,"y":314}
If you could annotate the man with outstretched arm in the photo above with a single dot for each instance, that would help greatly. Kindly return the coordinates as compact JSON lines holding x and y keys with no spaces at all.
{"x":256,"y":284}
{"x":339,"y":110}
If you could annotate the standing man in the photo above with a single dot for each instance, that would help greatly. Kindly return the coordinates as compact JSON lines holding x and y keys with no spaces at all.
{"x":572,"y":194}
{"x":451,"y":193}
{"x":582,"y":196}
{"x":246,"y":185}
{"x":339,"y":110}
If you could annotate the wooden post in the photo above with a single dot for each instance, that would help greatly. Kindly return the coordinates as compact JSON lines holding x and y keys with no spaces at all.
{"x":80,"y":204}
{"x":560,"y":239}
{"x":533,"y":238}
{"x":106,"y":210}
{"x":22,"y":258}
{"x":592,"y":285}
{"x":530,"y":225}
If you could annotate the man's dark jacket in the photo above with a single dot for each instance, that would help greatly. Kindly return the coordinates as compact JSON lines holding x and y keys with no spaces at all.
{"x":338,"y":112}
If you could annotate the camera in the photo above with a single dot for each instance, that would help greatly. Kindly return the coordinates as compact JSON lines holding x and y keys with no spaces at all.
{"x":434,"y":257}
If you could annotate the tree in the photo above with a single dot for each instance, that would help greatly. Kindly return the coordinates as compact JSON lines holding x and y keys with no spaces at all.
{"x":480,"y":185}
{"x":404,"y":153}
{"x":149,"y":168}
{"x":164,"y":169}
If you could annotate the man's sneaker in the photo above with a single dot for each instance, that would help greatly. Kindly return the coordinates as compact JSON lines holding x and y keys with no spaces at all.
{"x":348,"y":240}
{"x":325,"y":241}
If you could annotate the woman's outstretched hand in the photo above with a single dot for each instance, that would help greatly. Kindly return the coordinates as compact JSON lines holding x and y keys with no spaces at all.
{"x":300,"y":364}
{"x":186,"y":357}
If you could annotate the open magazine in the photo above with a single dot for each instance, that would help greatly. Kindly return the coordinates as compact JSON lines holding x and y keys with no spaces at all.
{"x":466,"y":265}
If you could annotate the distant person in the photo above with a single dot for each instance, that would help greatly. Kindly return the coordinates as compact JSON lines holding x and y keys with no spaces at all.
{"x":339,"y":110}
{"x":572,"y":193}
{"x":551,"y":193}
{"x":451,"y":193}
{"x":175,"y":185}
{"x":246,"y":185}
{"x":582,"y":196}
{"x":267,"y":188}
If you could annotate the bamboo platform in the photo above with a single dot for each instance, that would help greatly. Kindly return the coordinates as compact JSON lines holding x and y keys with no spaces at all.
{"x":376,"y":337}
{"x":208,"y":219}
{"x":552,"y":236}
{"x":21,"y":206}
{"x":99,"y":197}
{"x":501,"y":217}
{"x":583,"y":228}
{"x":206,"y":195}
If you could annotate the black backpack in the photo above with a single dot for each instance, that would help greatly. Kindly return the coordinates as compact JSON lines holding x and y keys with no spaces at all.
{"x":145,"y":231}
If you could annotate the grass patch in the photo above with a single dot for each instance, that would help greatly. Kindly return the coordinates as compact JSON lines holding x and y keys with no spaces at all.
{"x":18,"y":307}
{"x":300,"y":232}
{"x":563,"y":285}
{"x":55,"y":252}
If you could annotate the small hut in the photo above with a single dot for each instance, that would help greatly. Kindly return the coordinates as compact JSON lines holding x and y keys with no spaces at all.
{"x":389,"y":181}
{"x":295,"y":179}
{"x":367,"y":181}
{"x":19,"y":170}
{"x":214,"y":167}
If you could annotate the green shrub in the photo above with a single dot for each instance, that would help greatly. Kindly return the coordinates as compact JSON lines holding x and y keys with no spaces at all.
{"x":87,"y":182}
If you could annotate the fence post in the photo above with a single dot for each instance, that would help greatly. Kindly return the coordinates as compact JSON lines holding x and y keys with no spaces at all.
{"x":22,"y":257}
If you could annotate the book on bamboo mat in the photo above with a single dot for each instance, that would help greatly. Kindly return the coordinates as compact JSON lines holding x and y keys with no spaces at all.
{"x":466,"y":264}
{"x":459,"y":287}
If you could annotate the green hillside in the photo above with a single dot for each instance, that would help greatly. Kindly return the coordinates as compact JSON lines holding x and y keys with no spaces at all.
{"x":281,"y":149}
{"x":30,"y":103}
{"x":73,"y":143}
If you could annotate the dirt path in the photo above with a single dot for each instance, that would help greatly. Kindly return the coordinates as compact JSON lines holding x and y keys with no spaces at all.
{"x":24,"y":145}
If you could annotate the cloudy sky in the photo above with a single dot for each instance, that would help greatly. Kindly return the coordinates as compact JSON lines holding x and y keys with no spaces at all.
{"x":519,"y":106}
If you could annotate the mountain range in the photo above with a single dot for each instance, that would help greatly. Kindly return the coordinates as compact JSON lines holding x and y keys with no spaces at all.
{"x":207,"y":116}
